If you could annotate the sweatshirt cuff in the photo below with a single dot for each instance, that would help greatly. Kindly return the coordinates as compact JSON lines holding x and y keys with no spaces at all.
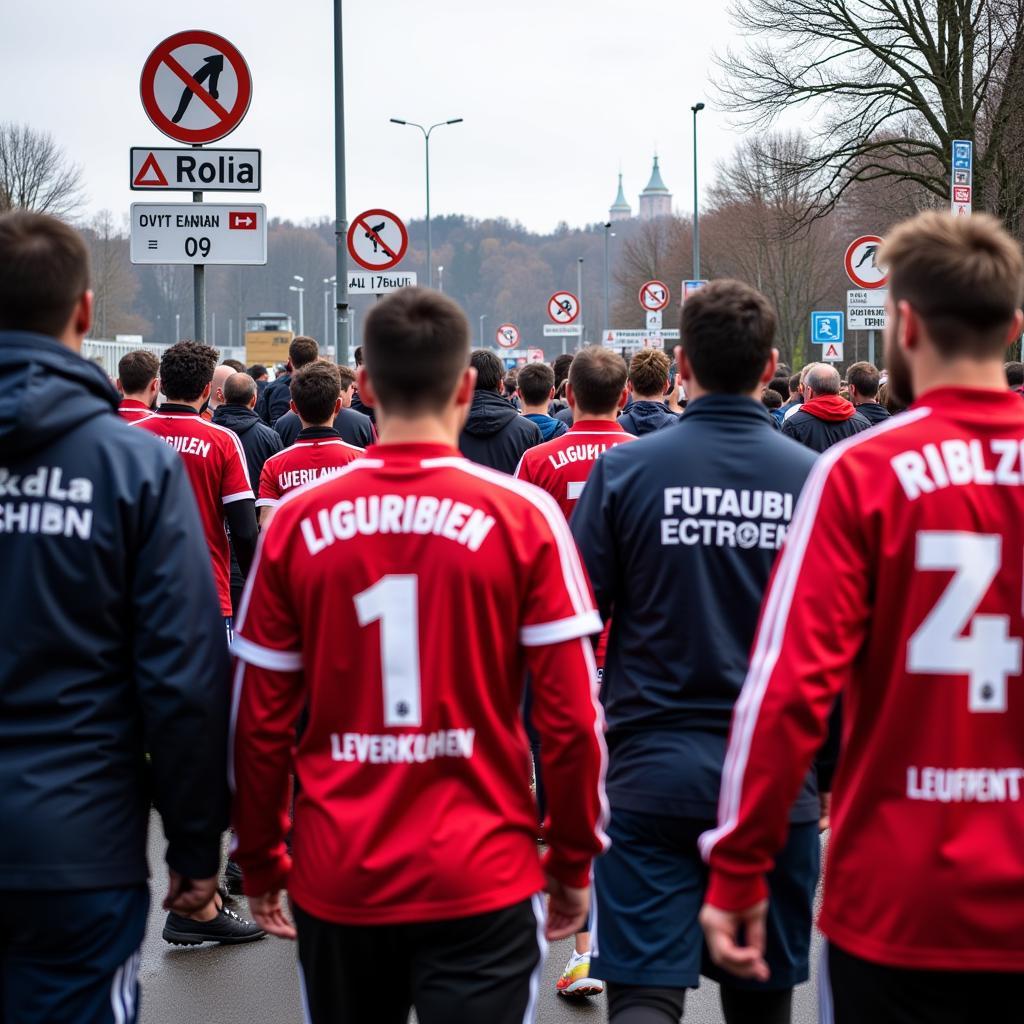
{"x":735,"y":892}
{"x":569,"y":871}
{"x":269,"y":876}
{"x":194,"y":857}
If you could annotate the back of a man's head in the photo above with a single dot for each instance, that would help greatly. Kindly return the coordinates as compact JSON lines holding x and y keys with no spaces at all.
{"x":535,"y":382}
{"x":864,"y":378}
{"x":239,"y":389}
{"x":823,"y":379}
{"x":346,"y":377}
{"x":648,"y":373}
{"x":237,"y":365}
{"x":489,"y":371}
{"x":302,"y":351}
{"x":415,"y":350}
{"x":137,"y":370}
{"x":561,"y":367}
{"x":315,"y":390}
{"x":780,"y":385}
{"x":962,"y":276}
{"x":794,"y":385}
{"x":257,"y":371}
{"x":727,"y":334}
{"x":44,"y":272}
{"x":1014,"y":374}
{"x":185,"y":370}
{"x":597,"y":377}
{"x":358,"y":356}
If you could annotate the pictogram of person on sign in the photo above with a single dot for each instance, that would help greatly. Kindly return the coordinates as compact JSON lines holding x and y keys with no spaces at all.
{"x":212,"y":69}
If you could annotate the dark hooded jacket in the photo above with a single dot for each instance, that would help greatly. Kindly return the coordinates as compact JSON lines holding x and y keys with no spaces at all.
{"x":276,"y":397}
{"x":823,"y":422}
{"x":873,"y":413}
{"x":111,"y":639}
{"x":354,"y":428}
{"x":259,"y":441}
{"x":495,"y":434}
{"x":644,"y":417}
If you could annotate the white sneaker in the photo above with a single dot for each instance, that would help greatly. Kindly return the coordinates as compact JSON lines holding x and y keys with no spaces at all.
{"x":576,"y":979}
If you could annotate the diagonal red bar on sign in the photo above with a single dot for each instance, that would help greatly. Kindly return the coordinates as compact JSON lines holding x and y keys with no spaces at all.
{"x":196,"y":88}
{"x":649,"y":291}
{"x":558,"y":309}
{"x":380,"y":241}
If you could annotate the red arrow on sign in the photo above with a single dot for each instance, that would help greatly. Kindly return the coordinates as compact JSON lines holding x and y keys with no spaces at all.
{"x":241,"y":220}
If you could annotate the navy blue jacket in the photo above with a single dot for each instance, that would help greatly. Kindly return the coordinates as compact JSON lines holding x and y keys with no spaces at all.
{"x":644,"y":417}
{"x":679,"y":532}
{"x":112,"y":644}
{"x":353,"y":428}
{"x":275,"y":400}
{"x":495,"y":434}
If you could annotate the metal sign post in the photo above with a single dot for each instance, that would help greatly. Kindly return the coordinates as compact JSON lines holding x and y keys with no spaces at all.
{"x":341,"y":221}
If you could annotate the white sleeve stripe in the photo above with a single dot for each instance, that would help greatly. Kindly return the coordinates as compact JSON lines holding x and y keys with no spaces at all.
{"x":266,"y":657}
{"x":769,"y":638}
{"x":240,"y":496}
{"x":543,"y":633}
{"x":265,"y":502}
{"x":239,"y":450}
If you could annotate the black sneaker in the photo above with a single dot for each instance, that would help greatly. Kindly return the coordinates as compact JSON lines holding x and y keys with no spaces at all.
{"x":233,"y":878}
{"x":227,"y":928}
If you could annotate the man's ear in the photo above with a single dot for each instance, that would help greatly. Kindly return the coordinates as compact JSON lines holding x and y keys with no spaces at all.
{"x":683,"y":365}
{"x":337,"y":406}
{"x":366,"y":395}
{"x":294,"y":408}
{"x":83,"y":313}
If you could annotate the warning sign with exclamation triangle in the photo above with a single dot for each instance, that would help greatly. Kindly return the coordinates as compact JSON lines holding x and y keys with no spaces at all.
{"x":150,"y":174}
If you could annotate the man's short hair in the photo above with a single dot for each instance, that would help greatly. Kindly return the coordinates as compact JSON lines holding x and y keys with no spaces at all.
{"x":772,"y":399}
{"x":358,"y":356}
{"x":823,"y":379}
{"x":239,"y":389}
{"x":561,"y":367}
{"x":185,"y":370}
{"x":648,"y":372}
{"x":302,"y":351}
{"x":315,"y":390}
{"x":1014,"y":374}
{"x":415,"y":350}
{"x":780,"y":385}
{"x":963,"y":276}
{"x":347,"y":377}
{"x":137,"y":370}
{"x":44,"y":271}
{"x":794,"y":384}
{"x":535,"y":382}
{"x":727,"y":334}
{"x":256,"y":371}
{"x":235,"y":364}
{"x":489,"y":371}
{"x":597,"y":377}
{"x":865,"y":378}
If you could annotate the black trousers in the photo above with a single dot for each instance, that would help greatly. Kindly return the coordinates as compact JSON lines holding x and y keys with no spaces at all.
{"x":861,"y":992}
{"x":484,"y":968}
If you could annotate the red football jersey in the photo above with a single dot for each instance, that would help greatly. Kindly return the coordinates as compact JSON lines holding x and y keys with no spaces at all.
{"x":401,"y":603}
{"x":133,"y":410}
{"x":307,"y":460}
{"x":561,"y":466}
{"x":900,"y":585}
{"x":216,"y":467}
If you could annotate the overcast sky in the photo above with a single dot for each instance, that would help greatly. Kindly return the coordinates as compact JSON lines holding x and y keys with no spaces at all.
{"x":557,"y":95}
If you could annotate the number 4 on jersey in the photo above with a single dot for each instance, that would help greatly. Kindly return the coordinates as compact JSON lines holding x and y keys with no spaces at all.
{"x":988,"y":655}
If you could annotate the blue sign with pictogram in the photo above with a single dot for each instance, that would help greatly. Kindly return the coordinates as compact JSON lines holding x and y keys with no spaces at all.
{"x":828,"y":327}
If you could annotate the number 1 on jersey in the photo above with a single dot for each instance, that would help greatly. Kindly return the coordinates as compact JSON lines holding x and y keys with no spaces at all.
{"x":394,"y":602}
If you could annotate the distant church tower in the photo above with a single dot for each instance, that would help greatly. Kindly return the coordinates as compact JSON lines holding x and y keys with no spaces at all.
{"x":655,"y":200}
{"x":620,"y":209}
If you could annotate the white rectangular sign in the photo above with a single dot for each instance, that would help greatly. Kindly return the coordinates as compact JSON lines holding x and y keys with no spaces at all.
{"x":379,"y":282}
{"x":212,"y":233}
{"x":865,"y":309}
{"x":832,"y":352}
{"x":654,"y":320}
{"x":162,"y":169}
{"x":561,"y":331}
{"x":610,"y":337}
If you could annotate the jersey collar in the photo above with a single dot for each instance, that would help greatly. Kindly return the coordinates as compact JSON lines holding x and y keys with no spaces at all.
{"x":176,"y":409}
{"x":134,"y":403}
{"x":970,"y":398}
{"x":596,"y":427}
{"x":312,"y":434}
{"x":727,"y":405}
{"x":412,"y":451}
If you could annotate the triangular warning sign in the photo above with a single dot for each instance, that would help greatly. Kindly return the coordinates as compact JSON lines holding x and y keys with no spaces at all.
{"x":150,"y":166}
{"x":831,"y":352}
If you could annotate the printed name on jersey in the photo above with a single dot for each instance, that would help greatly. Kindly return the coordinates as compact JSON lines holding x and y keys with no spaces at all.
{"x":578,"y":453}
{"x":964,"y":785}
{"x":293,"y":478}
{"x":188,"y":445}
{"x":402,"y":748}
{"x":45,"y":517}
{"x":393,"y":513}
{"x":724,"y":517}
{"x":959,"y":463}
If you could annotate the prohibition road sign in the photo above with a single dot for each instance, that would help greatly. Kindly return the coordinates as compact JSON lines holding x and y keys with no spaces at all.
{"x":654,"y":296}
{"x":377,"y":240}
{"x":563,"y":307}
{"x":195,"y":87}
{"x":508,"y":335}
{"x":861,"y":262}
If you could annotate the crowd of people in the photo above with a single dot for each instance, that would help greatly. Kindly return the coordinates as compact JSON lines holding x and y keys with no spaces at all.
{"x":630,"y":636}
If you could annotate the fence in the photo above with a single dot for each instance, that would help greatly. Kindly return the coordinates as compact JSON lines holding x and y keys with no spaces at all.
{"x":108,"y":353}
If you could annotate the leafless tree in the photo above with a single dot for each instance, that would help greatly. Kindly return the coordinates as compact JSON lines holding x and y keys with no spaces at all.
{"x":35,"y":173}
{"x":889,"y":84}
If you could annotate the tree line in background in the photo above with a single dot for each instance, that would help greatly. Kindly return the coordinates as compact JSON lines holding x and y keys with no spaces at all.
{"x":889,"y":84}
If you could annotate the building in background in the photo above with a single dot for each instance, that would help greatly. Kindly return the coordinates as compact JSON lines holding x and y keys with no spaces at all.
{"x":620,"y":209}
{"x":655,"y":200}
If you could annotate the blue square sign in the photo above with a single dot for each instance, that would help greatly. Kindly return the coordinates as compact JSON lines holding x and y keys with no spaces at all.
{"x":963,"y":155}
{"x":828,"y":327}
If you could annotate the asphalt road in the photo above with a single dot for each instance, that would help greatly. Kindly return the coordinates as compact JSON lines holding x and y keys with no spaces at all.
{"x":257,"y":983}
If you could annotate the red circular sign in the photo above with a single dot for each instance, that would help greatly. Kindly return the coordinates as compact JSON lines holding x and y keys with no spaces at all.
{"x":377,"y":240}
{"x":861,"y":264}
{"x":654,"y":296}
{"x":563,"y":307}
{"x":507,"y":335}
{"x":166,"y":102}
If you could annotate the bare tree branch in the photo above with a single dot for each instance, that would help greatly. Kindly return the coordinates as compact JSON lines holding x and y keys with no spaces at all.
{"x":35,"y":174}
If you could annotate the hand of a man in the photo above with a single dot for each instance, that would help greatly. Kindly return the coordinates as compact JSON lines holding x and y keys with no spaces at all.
{"x":567,"y":909}
{"x":722,"y":931}
{"x":187,"y":895}
{"x":268,"y":912}
{"x":825,"y":821}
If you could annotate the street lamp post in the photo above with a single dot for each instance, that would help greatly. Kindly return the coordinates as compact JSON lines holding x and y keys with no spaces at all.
{"x":177,"y":327}
{"x":608,"y":233}
{"x":440,"y":279}
{"x":426,"y":139}
{"x":579,"y":295}
{"x":696,"y":210}
{"x":483,"y":317}
{"x":301,"y":290}
{"x":333,"y":280}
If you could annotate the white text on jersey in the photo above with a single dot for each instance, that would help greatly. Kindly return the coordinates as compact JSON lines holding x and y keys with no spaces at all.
{"x":956,"y":463}
{"x":577,"y":453}
{"x":189,"y":445}
{"x":402,"y":748}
